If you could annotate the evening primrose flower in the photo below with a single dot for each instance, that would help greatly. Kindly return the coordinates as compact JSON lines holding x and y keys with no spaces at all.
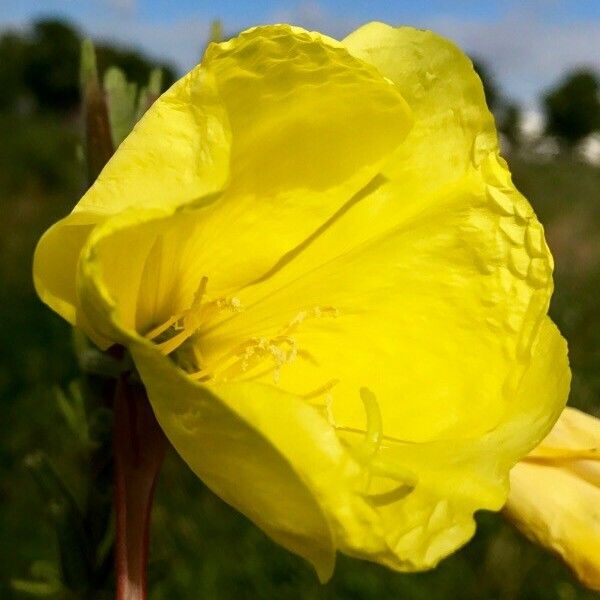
{"x":555,"y":494}
{"x":332,"y":291}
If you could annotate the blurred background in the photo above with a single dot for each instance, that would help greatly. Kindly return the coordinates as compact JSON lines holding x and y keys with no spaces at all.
{"x":540,"y":63}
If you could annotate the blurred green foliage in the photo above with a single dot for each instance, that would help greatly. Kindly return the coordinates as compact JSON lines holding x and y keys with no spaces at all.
{"x":201,"y":548}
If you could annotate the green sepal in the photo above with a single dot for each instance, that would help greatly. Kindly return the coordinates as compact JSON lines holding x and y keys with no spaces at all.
{"x":101,"y":364}
{"x":95,"y":362}
{"x":98,"y":140}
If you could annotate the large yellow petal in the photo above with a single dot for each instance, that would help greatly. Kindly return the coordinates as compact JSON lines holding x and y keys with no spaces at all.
{"x":439,"y":311}
{"x":457,"y":477}
{"x":311,"y":126}
{"x":262,"y":451}
{"x":453,"y":127}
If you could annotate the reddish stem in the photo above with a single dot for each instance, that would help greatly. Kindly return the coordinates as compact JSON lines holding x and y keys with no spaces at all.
{"x":139,"y":446}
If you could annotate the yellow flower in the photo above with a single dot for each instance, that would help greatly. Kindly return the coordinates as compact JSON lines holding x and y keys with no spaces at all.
{"x":555,"y":494}
{"x":330,"y":287}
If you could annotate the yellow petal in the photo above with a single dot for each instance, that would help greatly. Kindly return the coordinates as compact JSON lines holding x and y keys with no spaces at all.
{"x":559,"y":510}
{"x":575,"y":430}
{"x":460,"y":476}
{"x":286,"y":98}
{"x":311,"y":127}
{"x":290,"y":96}
{"x":453,"y":128}
{"x":555,"y":494}
{"x":428,"y":313}
{"x":242,"y":442}
{"x":179,"y":151}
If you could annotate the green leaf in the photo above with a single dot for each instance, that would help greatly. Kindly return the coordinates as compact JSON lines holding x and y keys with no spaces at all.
{"x":45,"y":581}
{"x":74,"y":552}
{"x":216,"y":31}
{"x":72,"y":407}
{"x":35,"y":588}
{"x":121,"y":97}
{"x":88,"y":69}
{"x":149,"y":93}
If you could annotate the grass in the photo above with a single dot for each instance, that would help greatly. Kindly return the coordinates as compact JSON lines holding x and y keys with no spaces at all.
{"x":201,"y":548}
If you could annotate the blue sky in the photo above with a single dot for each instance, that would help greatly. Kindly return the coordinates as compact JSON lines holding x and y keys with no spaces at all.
{"x":528,"y":44}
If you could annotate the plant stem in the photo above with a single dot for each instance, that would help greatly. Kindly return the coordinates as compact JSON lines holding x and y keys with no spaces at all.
{"x":139,"y":447}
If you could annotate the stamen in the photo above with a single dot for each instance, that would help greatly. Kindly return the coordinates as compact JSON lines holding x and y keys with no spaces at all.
{"x":280,"y":350}
{"x":385,"y":468}
{"x":154,"y":333}
{"x":395,"y":494}
{"x":185,"y":324}
{"x":173,"y":343}
{"x":199,"y":293}
{"x":201,"y":375}
{"x":321,"y":390}
{"x":316,"y":312}
{"x":190,"y":318}
{"x":252,"y":352}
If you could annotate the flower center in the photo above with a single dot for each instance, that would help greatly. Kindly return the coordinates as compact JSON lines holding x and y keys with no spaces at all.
{"x":257,"y":356}
{"x":252,"y":357}
{"x":170,"y":335}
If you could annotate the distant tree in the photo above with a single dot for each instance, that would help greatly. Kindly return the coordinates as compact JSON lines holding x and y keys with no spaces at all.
{"x":13,"y":49}
{"x":506,"y":112}
{"x":509,"y":123}
{"x":51,"y":68}
{"x":43,"y":66}
{"x":573,"y":107}
{"x":493,"y":96}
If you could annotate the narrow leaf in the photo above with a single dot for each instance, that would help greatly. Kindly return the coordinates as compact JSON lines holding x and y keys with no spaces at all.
{"x":121,"y":97}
